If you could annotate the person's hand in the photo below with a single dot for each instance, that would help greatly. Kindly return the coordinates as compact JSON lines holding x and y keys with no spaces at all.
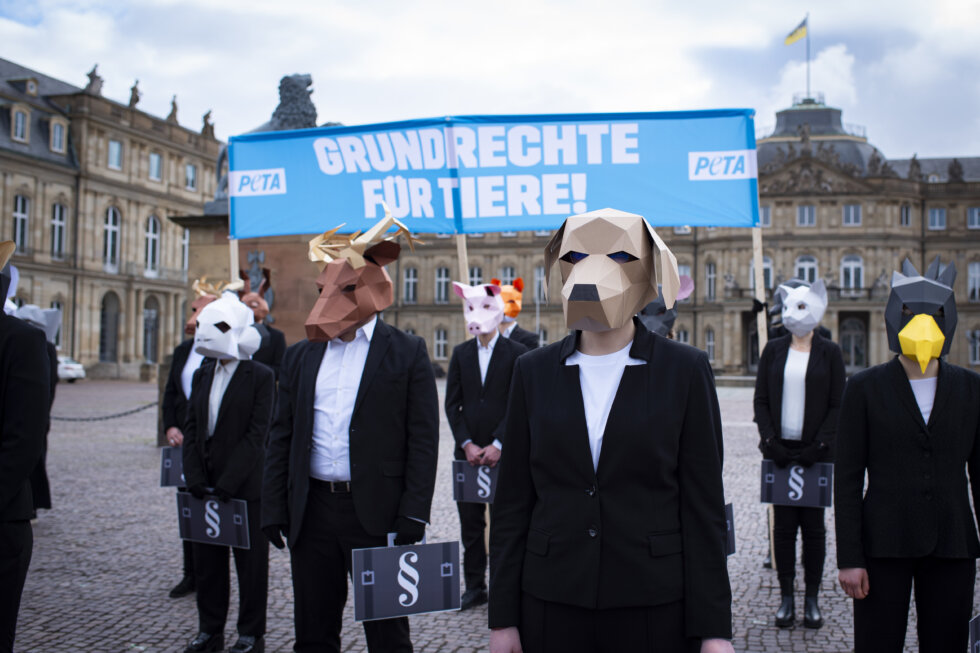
{"x":474,"y":454}
{"x":491,"y":455}
{"x":778,"y":453}
{"x":224,"y":496}
{"x":854,"y":582}
{"x":716,"y":646}
{"x":408,"y":531}
{"x":505,"y":640}
{"x":809,"y":454}
{"x":197,"y":491}
{"x":274,"y":534}
{"x":174,"y":437}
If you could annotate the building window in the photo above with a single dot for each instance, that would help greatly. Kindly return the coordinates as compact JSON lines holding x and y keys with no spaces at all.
{"x":852,"y":273}
{"x":905,"y":215}
{"x":57,"y":137}
{"x":22,"y":209}
{"x":59,"y":218}
{"x":710,"y":281}
{"x":476,"y":275}
{"x":542,"y":232}
{"x":442,"y":285}
{"x":441,"y":344}
{"x":709,"y":343}
{"x":185,"y":250}
{"x":57,"y":336}
{"x":540,"y":289}
{"x":806,"y":215}
{"x":974,"y":339}
{"x":806,"y":268}
{"x":683,"y":335}
{"x":110,"y":240}
{"x":973,"y":217}
{"x":682,"y":231}
{"x":20,"y":126}
{"x":115,"y":155}
{"x":151,"y":331}
{"x":444,"y":235}
{"x":410,"y":286}
{"x":851,"y":216}
{"x":973,"y":282}
{"x":684,"y":270}
{"x":507,"y":275}
{"x":766,"y":273}
{"x":937,"y":219}
{"x":156,"y":166}
{"x":151,"y":255}
{"x":109,"y":328}
{"x":853,"y":339}
{"x":508,"y":234}
{"x":476,"y":235}
{"x":765,"y":216}
{"x":190,"y":176}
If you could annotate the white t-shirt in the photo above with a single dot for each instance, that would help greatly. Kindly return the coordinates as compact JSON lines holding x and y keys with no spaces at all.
{"x":925,"y":395}
{"x":794,"y":394}
{"x":599,"y":377}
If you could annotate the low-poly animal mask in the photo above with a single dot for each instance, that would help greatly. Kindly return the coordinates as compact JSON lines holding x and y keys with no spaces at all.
{"x":205,"y":293}
{"x":803,"y":307}
{"x":254,"y":298}
{"x":45,"y":319}
{"x":511,"y":295}
{"x":353,"y":283}
{"x":660,"y":319}
{"x":225,"y":329}
{"x":920,"y":316}
{"x":483,"y":307}
{"x":607,"y":268}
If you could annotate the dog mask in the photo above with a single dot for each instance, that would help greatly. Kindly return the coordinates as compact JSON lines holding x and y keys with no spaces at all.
{"x":483,"y":307}
{"x":803,"y":307}
{"x":353,"y":283}
{"x":660,"y":319}
{"x":225,"y":330}
{"x":607,"y":268}
{"x":920,"y":316}
{"x":511,"y":294}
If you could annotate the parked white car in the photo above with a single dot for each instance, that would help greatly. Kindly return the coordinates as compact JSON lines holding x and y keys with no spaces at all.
{"x":69,"y":369}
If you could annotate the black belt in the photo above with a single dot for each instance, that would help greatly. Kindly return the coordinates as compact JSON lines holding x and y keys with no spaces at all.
{"x":334,"y":487}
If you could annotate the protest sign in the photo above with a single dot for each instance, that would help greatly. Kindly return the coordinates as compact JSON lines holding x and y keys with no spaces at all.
{"x":210,"y":521}
{"x":474,"y":483}
{"x":397,"y":581}
{"x":795,"y":485}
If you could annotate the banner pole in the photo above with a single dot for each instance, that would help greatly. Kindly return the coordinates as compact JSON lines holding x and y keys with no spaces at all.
{"x":233,"y":259}
{"x":462,"y":258}
{"x":762,"y":326}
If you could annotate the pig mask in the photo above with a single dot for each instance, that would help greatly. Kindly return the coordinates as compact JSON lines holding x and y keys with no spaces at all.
{"x":511,"y":294}
{"x":225,"y":330}
{"x":607,"y":268}
{"x":483,"y":307}
{"x":803,"y":307}
{"x":353,"y":283}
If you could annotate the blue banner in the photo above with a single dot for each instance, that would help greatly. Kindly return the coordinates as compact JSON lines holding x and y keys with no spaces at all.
{"x":471,"y":174}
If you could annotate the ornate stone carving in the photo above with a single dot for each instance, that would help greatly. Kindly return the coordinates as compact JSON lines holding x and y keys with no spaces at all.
{"x":172,"y":116}
{"x":804,"y":131}
{"x":207,"y":127}
{"x":134,"y":94}
{"x":295,"y":110}
{"x":94,"y":86}
{"x":915,"y":168}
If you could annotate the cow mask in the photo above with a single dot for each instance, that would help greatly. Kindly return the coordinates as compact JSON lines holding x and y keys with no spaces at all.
{"x":657,"y":317}
{"x":511,"y":294}
{"x":803,"y":307}
{"x":225,"y":329}
{"x":607,"y":268}
{"x":483,"y":307}
{"x":920,"y":316}
{"x":353,"y":283}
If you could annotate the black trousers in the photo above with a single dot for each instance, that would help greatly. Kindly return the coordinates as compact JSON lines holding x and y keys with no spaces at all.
{"x":943,"y":603}
{"x":473,"y":524}
{"x":321,"y":563}
{"x":189,"y":557}
{"x":16,"y":544}
{"x":786,"y":521}
{"x":212,"y":577}
{"x":548,"y":627}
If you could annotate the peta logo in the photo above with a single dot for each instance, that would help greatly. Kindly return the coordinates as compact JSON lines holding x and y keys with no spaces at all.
{"x":249,"y":183}
{"x":717,"y":166}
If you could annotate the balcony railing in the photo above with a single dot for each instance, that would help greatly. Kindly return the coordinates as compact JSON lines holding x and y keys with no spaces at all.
{"x":165,"y":274}
{"x":833,"y":294}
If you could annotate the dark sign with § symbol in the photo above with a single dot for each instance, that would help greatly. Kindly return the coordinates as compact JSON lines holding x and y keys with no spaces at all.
{"x":730,"y":528}
{"x":210,"y":521}
{"x":171,"y":467}
{"x":396,"y":581}
{"x":796,"y":485}
{"x":975,"y":634}
{"x":474,"y":483}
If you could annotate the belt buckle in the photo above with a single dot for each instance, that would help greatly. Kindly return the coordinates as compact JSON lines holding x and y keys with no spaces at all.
{"x":340,"y":487}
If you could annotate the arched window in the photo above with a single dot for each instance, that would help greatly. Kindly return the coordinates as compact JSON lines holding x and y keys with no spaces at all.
{"x":109,"y":328}
{"x":151,"y":331}
{"x":710,"y":281}
{"x":852,"y":273}
{"x":766,"y":272}
{"x":152,"y":250}
{"x":110,"y":240}
{"x":853,"y":344}
{"x":22,"y":211}
{"x":59,"y":218}
{"x":709,"y":343}
{"x":806,"y":268}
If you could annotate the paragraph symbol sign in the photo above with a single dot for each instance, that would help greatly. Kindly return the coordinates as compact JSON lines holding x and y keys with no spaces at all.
{"x":796,"y":483}
{"x":483,"y":481}
{"x":408,"y":579}
{"x":212,"y":519}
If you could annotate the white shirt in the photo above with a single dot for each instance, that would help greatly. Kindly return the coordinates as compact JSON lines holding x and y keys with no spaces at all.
{"x":599,"y":377}
{"x":509,"y":330}
{"x":333,"y":403}
{"x":219,"y":383}
{"x":194,"y":360}
{"x":925,"y":395}
{"x":484,"y":354}
{"x":794,"y":394}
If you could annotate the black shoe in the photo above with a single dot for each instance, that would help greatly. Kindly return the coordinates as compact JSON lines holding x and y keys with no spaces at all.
{"x":248,"y":644}
{"x":785,"y":615}
{"x":183,"y":588}
{"x":473,"y":598}
{"x":767,"y":563}
{"x":206,"y":643}
{"x":811,"y":613}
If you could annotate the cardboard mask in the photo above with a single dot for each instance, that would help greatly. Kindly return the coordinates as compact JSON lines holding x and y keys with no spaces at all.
{"x":657,"y":317}
{"x":607,"y":268}
{"x":206,"y":293}
{"x":254,"y":298}
{"x":511,"y":295}
{"x":225,"y":329}
{"x":7,"y":248}
{"x":776,"y":310}
{"x":483,"y":307}
{"x":45,"y":319}
{"x":920,"y":316}
{"x":803,"y":307}
{"x":353,"y":283}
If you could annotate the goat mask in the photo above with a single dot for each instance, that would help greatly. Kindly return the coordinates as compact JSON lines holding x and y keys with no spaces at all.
{"x":225,"y":329}
{"x":803,"y":307}
{"x":920,"y":316}
{"x":483,"y":307}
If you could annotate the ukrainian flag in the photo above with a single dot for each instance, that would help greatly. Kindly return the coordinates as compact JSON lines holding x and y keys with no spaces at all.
{"x":796,"y":34}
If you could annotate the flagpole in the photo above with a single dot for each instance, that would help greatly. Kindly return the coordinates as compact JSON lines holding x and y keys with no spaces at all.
{"x":807,"y":54}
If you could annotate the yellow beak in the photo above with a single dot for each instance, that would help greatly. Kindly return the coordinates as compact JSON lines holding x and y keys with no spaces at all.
{"x":922,"y":340}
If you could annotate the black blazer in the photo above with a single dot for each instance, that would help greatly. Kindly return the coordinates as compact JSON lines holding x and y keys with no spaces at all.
{"x":525,"y":337}
{"x":174,"y":406}
{"x":648,"y":526}
{"x":25,"y":395}
{"x":231,"y":459}
{"x":394,"y":434}
{"x":917,"y":503}
{"x":475,"y":409}
{"x":272,"y":349}
{"x":824,"y":387}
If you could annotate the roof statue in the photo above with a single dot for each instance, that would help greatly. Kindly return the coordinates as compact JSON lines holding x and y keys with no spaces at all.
{"x":172,"y":116}
{"x":915,"y":169}
{"x":207,"y":127}
{"x":955,"y":171}
{"x":94,"y":86}
{"x":295,"y":110}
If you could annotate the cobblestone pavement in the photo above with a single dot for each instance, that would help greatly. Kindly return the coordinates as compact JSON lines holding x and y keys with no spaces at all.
{"x":106,"y":556}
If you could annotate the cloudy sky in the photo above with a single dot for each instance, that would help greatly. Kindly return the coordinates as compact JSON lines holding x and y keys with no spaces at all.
{"x":907,"y":70}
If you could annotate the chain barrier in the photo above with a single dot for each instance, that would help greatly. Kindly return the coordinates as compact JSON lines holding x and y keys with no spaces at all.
{"x":104,"y":417}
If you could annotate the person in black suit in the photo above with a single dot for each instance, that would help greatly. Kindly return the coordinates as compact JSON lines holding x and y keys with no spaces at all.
{"x":24,"y":405}
{"x":797,"y":402}
{"x":227,"y":421}
{"x":912,"y":425}
{"x":353,"y":450}
{"x":608,"y":528}
{"x":512,"y":295}
{"x":477,"y":388}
